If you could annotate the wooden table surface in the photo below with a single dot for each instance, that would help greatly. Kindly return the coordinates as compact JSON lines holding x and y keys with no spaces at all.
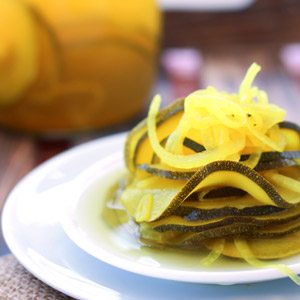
{"x":222,"y":68}
{"x":265,"y":22}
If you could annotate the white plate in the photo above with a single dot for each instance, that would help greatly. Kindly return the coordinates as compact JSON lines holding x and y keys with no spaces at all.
{"x":32,"y":230}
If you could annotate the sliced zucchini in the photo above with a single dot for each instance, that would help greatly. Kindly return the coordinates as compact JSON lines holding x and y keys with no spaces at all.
{"x":281,"y":160}
{"x":137,"y":147}
{"x":217,"y":193}
{"x":276,"y":164}
{"x":189,"y":240}
{"x":291,"y":132}
{"x":223,"y":207}
{"x":192,"y":240}
{"x":264,"y":248}
{"x":229,"y":173}
{"x":191,"y":144}
{"x":170,"y":194}
{"x":165,"y":173}
{"x":175,"y":223}
{"x":267,"y":160}
{"x":290,"y":125}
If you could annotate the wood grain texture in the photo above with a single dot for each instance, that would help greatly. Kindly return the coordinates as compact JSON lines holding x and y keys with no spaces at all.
{"x":266,"y":22}
{"x":20,"y":154}
{"x":17,"y":158}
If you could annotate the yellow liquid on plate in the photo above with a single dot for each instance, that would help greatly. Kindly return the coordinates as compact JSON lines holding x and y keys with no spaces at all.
{"x":109,"y":226}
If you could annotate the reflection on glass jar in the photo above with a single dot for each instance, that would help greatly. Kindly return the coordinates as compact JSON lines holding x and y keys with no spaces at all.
{"x":69,"y":65}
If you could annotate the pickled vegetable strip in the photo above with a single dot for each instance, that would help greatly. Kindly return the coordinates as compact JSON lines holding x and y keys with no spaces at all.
{"x":214,"y":254}
{"x":248,"y":256}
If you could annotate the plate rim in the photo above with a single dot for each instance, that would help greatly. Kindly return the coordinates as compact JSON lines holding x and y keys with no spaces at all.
{"x":66,"y":286}
{"x":82,"y":240}
{"x":13,"y":244}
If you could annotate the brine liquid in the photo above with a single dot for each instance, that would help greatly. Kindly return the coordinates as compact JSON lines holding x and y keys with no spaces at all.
{"x":106,"y":220}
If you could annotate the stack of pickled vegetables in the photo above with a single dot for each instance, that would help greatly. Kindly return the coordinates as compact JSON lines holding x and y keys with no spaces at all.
{"x":220,"y":171}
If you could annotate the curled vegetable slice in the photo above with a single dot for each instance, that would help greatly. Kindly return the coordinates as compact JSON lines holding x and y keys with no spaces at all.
{"x":176,"y":223}
{"x":280,"y":160}
{"x":165,"y":173}
{"x":277,"y":247}
{"x":229,"y":173}
{"x":276,"y":164}
{"x":215,"y":253}
{"x":285,"y":182}
{"x":291,"y":132}
{"x":223,"y":207}
{"x":247,"y":255}
{"x":264,"y":156}
{"x":189,"y":240}
{"x":290,"y":125}
{"x":252,"y":160}
{"x":193,"y":240}
{"x":137,"y":147}
{"x":168,"y":194}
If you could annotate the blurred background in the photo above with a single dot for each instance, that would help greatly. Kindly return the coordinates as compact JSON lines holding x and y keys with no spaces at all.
{"x":76,"y":70}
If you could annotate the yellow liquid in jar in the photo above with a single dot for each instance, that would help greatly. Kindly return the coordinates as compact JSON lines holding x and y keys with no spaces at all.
{"x":95,"y":63}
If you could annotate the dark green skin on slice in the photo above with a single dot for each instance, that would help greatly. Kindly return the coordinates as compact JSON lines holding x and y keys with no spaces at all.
{"x":268,"y":161}
{"x":182,"y":225}
{"x":216,"y":166}
{"x":139,"y":132}
{"x":193,"y":214}
{"x":192,"y":240}
{"x":290,"y":125}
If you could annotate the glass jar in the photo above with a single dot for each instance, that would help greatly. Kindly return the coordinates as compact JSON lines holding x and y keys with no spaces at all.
{"x":74,"y":65}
